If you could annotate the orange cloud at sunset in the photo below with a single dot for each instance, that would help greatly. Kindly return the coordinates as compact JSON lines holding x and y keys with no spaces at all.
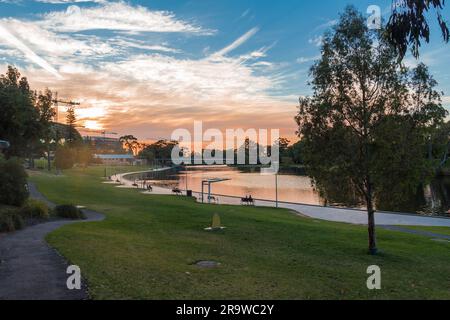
{"x":132,"y":82}
{"x":150,"y":96}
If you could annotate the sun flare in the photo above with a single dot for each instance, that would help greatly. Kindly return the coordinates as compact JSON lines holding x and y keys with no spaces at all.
{"x":92,"y":125}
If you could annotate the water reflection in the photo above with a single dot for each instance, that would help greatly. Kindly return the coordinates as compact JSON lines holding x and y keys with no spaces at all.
{"x":291,"y":188}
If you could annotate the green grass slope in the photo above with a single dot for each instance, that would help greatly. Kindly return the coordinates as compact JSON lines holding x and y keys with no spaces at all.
{"x":147,"y":246}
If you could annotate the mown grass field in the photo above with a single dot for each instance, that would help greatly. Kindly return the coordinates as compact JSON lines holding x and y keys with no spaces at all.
{"x":146,"y":248}
{"x":438,"y":230}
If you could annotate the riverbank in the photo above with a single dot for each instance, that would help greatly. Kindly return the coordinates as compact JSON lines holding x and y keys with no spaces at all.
{"x":346,"y":215}
{"x":147,"y":246}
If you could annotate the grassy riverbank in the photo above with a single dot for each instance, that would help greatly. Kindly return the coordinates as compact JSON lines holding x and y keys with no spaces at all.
{"x":438,"y":230}
{"x":146,"y":248}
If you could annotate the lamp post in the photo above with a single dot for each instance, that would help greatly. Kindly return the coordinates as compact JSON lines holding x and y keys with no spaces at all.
{"x":4,"y":145}
{"x":186,"y":173}
{"x":276,"y":189}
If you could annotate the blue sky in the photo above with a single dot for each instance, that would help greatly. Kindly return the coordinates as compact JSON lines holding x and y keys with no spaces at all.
{"x":136,"y":65}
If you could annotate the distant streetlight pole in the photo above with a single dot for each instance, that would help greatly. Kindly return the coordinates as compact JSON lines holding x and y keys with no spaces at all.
{"x":186,"y":173}
{"x":276,"y":189}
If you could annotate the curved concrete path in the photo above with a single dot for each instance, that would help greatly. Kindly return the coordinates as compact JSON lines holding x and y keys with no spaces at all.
{"x":428,"y":234}
{"x":30,"y":269}
{"x":353,"y":216}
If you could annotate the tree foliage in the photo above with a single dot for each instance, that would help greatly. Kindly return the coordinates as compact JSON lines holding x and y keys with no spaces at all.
{"x":19,"y":121}
{"x":131,"y":143}
{"x":160,"y":150}
{"x":13,"y":179}
{"x":71,"y":122}
{"x":408,"y":24}
{"x":65,"y":157}
{"x":365,"y":129}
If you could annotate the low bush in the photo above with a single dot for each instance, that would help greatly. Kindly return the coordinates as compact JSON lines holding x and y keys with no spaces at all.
{"x":35,"y":209}
{"x":10,"y":219}
{"x":64,"y":157}
{"x":69,"y":212}
{"x":13,"y":180}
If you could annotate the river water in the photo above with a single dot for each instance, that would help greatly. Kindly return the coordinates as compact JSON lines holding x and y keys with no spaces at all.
{"x":291,"y":188}
{"x":435,"y":199}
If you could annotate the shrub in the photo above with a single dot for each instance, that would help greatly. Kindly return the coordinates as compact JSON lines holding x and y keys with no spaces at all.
{"x":69,"y":212}
{"x":64,"y":157}
{"x":34,"y":209}
{"x":10,"y":219}
{"x":13,"y":179}
{"x":6,"y":221}
{"x":84,"y":155}
{"x":17,"y":220}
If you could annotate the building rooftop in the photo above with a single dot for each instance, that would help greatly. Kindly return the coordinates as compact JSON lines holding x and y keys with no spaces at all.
{"x":100,"y":138}
{"x":113,"y":156}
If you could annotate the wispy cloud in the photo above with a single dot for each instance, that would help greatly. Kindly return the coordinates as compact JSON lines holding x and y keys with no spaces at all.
{"x":326,"y":25}
{"x":317,"y":41}
{"x":53,"y":44}
{"x":430,"y":58}
{"x":70,"y":1}
{"x":118,"y":16}
{"x":245,"y":13}
{"x":16,"y":43}
{"x":138,"y":82}
{"x":11,"y":1}
{"x":137,"y":44}
{"x":307,"y":59}
{"x":237,"y":43}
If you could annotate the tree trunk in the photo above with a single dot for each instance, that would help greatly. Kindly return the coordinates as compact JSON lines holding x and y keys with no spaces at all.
{"x":30,"y":160}
{"x":371,"y":226}
{"x":49,"y":164}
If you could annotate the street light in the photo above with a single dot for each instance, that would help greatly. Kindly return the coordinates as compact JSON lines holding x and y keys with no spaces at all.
{"x":276,"y":189}
{"x":185,"y":169}
{"x":4,"y":144}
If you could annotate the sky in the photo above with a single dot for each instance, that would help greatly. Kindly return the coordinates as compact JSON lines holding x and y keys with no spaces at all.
{"x":149,"y":67}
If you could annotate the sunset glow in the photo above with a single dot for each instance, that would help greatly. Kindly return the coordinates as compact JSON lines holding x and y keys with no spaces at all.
{"x":92,"y":125}
{"x":159,"y":66}
{"x":224,"y":158}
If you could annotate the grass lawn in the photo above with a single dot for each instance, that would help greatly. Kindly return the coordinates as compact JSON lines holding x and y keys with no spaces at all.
{"x":146,"y":247}
{"x":439,"y":230}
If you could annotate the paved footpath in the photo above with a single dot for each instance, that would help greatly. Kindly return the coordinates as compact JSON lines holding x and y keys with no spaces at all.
{"x":433,"y":235}
{"x":30,"y":269}
{"x":346,"y":215}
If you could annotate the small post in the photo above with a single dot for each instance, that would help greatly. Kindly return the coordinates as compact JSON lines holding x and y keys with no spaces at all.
{"x":185,"y":169}
{"x":203,"y":184}
{"x":276,"y":189}
{"x":209,"y":192}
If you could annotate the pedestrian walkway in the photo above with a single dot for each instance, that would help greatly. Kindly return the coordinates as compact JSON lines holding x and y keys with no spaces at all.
{"x":30,"y":269}
{"x":347,"y":215}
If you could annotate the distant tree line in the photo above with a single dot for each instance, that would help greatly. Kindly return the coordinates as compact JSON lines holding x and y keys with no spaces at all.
{"x":161,"y":151}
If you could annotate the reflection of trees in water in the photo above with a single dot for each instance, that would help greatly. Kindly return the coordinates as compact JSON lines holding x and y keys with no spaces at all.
{"x":432,"y":199}
{"x":437,"y":199}
{"x":429,"y":200}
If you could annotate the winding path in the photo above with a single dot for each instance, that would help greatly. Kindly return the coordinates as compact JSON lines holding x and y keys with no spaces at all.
{"x":30,"y":269}
{"x":418,"y":232}
{"x":347,"y":215}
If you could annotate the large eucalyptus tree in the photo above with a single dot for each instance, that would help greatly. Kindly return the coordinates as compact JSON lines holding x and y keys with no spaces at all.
{"x":365,"y":128}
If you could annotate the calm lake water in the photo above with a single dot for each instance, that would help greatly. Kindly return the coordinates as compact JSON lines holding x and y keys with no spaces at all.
{"x":434,"y":200}
{"x":291,"y":188}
